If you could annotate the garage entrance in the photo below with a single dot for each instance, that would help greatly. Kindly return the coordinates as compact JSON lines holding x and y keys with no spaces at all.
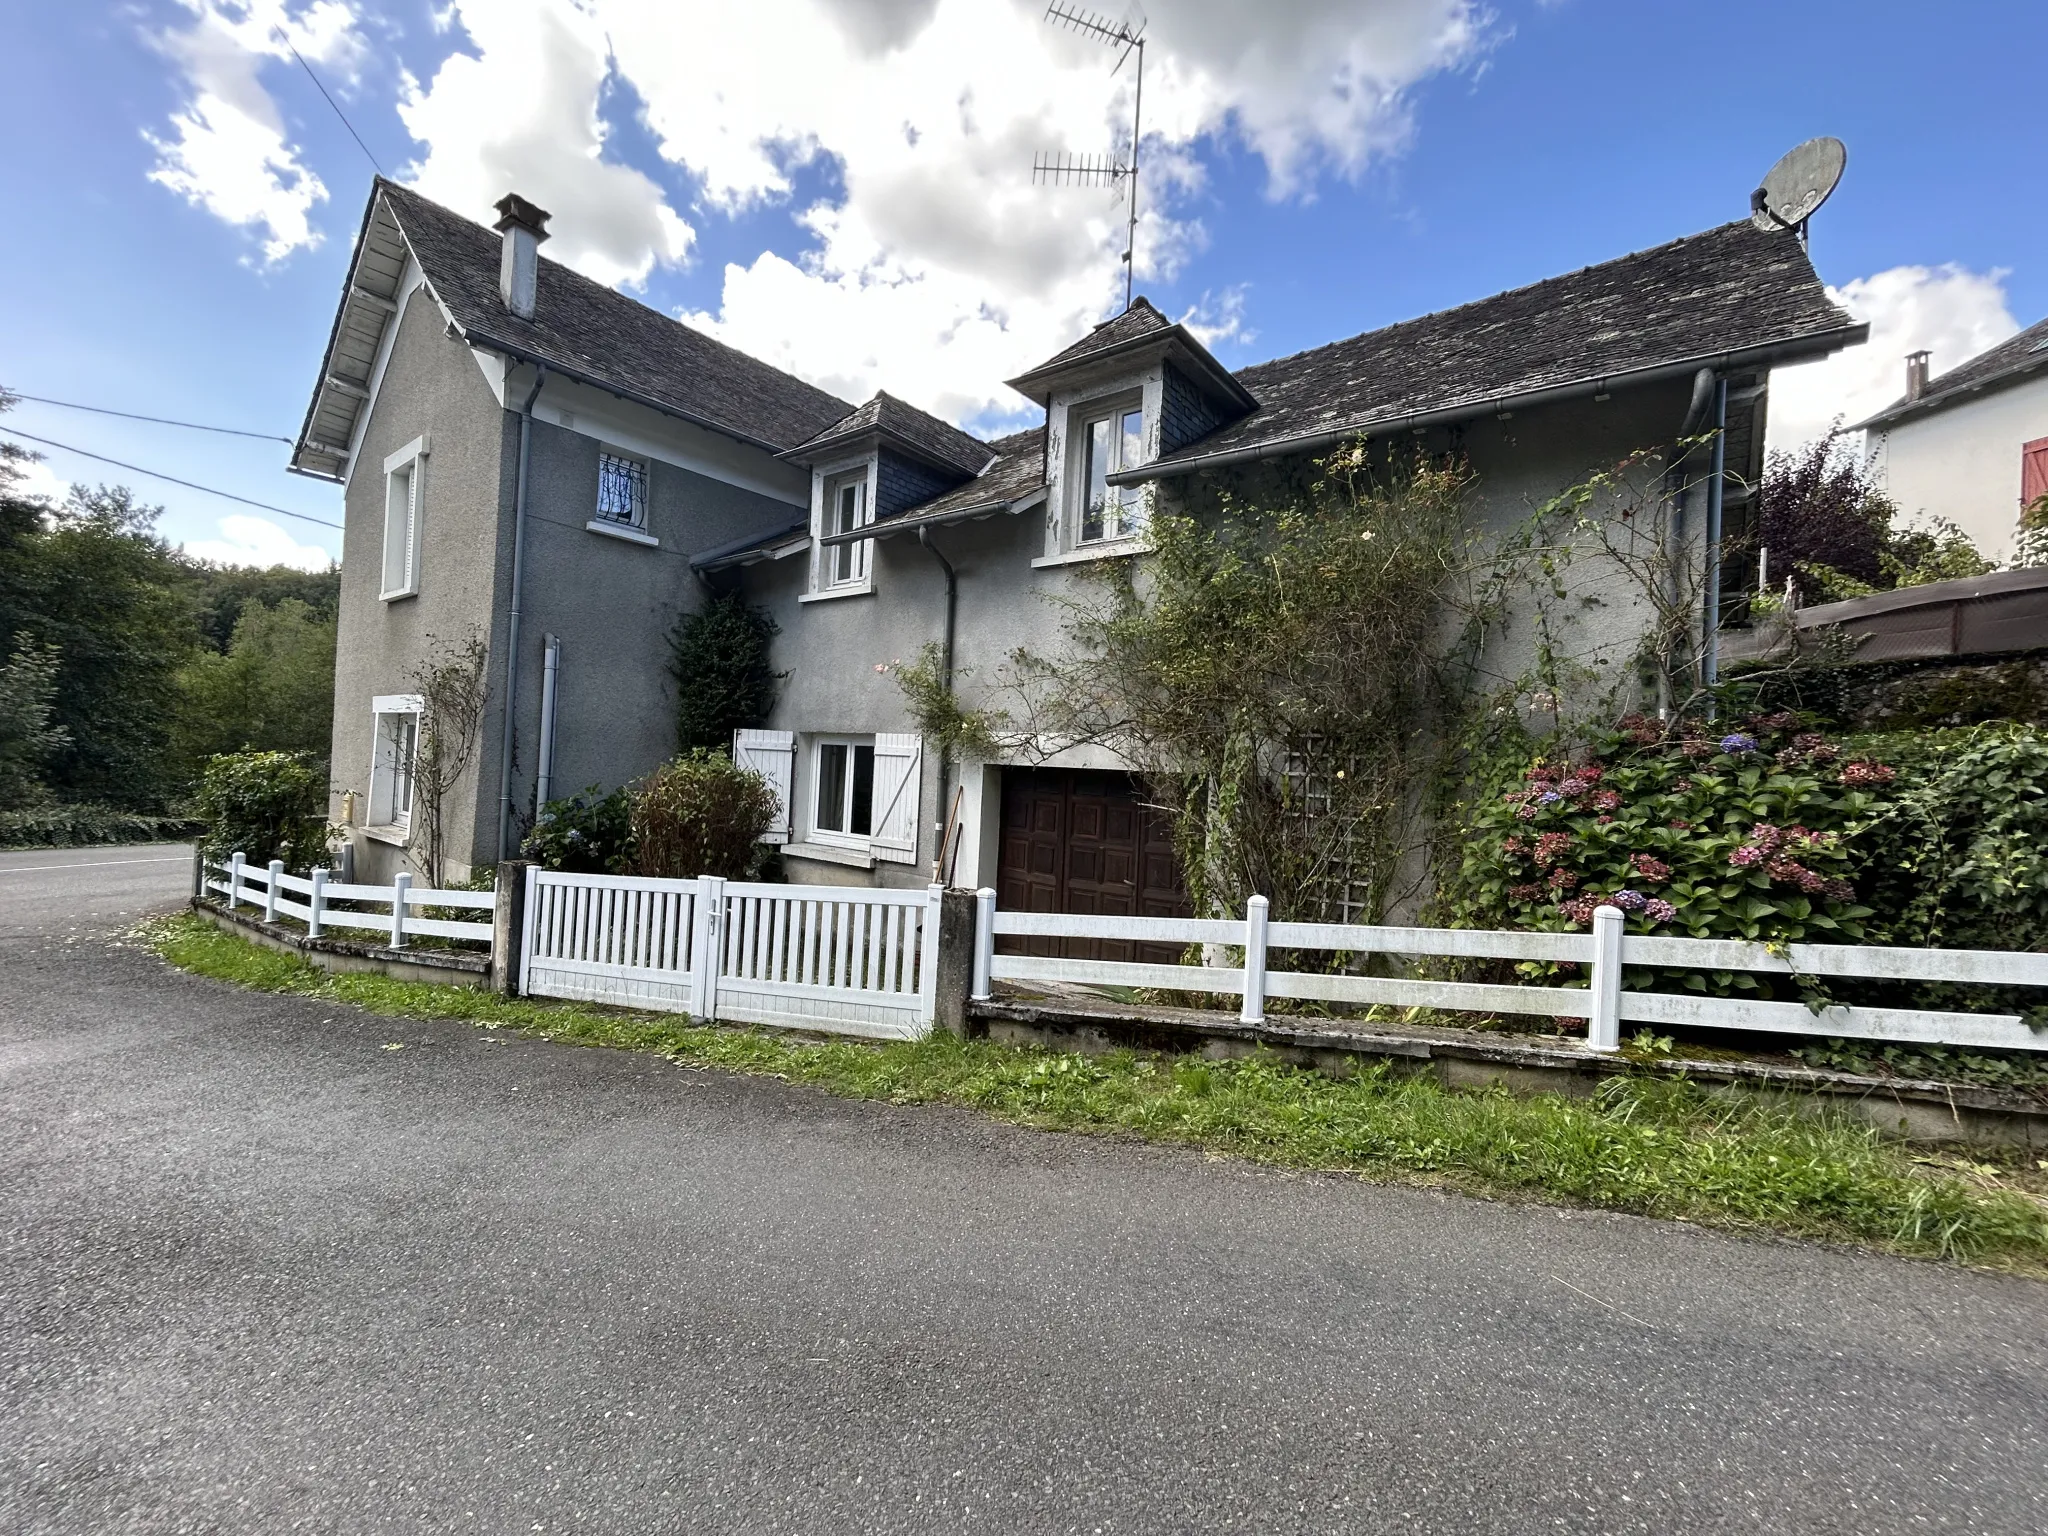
{"x":1078,"y":840}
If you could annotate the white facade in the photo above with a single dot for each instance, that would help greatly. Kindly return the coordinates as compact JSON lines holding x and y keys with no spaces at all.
{"x":1962,"y":461}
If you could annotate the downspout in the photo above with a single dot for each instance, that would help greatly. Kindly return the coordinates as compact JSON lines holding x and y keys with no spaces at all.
{"x":1703,"y":390}
{"x":511,"y":702}
{"x":924,"y":537}
{"x":551,"y":666}
{"x":1710,"y":659}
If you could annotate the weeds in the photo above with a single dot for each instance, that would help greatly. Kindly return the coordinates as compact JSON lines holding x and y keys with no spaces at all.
{"x":1658,"y":1146}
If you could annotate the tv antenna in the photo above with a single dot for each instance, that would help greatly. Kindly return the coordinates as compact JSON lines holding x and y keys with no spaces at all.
{"x":1063,"y":169}
{"x":1797,"y":185}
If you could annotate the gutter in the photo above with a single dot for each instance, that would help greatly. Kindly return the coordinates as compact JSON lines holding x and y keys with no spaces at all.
{"x":1732,"y":361}
{"x":511,"y":705}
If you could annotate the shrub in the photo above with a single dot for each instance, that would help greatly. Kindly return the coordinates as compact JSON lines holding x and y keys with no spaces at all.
{"x":701,"y":814}
{"x":79,"y":826}
{"x":265,"y":805}
{"x":586,"y":834}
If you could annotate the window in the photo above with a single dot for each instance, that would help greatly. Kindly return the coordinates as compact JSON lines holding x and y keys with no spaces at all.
{"x":843,"y":802}
{"x":621,"y":490}
{"x":403,"y":472}
{"x":396,"y":740}
{"x":2033,"y":472}
{"x":846,"y":508}
{"x":1108,"y":444}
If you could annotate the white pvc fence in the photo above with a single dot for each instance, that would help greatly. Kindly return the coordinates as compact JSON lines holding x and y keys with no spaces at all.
{"x":846,"y":960}
{"x":1606,"y":951}
{"x":270,"y":888}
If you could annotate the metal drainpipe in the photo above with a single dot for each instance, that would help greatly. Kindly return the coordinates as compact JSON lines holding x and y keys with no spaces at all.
{"x":1674,"y":524}
{"x":924,"y":537}
{"x":550,"y":673}
{"x":1711,"y":650}
{"x":511,"y":702}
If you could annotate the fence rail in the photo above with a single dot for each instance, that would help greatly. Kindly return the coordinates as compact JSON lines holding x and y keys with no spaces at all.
{"x":269,"y":887}
{"x":852,"y":961}
{"x":1607,"y":952}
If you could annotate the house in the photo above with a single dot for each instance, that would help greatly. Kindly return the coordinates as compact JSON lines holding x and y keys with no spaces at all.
{"x":1970,"y":445}
{"x":565,"y":471}
{"x":533,"y":458}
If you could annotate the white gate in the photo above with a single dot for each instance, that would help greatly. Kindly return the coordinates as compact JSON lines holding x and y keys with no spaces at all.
{"x":849,"y":960}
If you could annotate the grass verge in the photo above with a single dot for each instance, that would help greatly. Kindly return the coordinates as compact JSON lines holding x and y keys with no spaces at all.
{"x":1657,"y":1146}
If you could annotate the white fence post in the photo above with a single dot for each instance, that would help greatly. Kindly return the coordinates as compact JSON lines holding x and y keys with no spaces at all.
{"x":707,"y":943}
{"x":235,"y":863}
{"x":1254,"y":1010}
{"x":984,"y":941}
{"x":316,"y":903}
{"x":270,"y":892}
{"x":528,"y":929}
{"x":1603,"y":1029}
{"x":928,"y":956}
{"x":401,"y":884}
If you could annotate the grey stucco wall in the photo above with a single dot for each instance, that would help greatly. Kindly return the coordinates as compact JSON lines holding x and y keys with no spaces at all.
{"x":831,"y":648}
{"x":431,"y":385}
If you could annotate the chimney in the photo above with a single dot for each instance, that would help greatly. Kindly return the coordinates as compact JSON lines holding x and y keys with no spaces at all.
{"x":524,"y":227}
{"x":1916,"y":375}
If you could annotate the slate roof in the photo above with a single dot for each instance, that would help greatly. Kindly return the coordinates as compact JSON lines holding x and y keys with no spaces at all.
{"x":1731,"y":289}
{"x":2007,"y":363}
{"x":1139,"y":320}
{"x":606,"y":338}
{"x":924,"y":434}
{"x":1017,"y":470}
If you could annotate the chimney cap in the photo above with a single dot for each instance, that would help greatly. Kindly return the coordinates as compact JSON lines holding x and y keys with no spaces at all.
{"x":515,"y":211}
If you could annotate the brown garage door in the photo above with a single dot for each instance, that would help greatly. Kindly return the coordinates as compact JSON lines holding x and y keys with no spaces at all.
{"x":1081,"y":841}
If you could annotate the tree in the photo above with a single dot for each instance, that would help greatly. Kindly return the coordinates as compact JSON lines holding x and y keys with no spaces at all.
{"x":224,"y":592}
{"x":273,"y":690}
{"x":28,"y":682}
{"x":719,"y":659}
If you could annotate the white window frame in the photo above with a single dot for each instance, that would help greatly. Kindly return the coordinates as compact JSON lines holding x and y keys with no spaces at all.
{"x":402,"y":519}
{"x":1082,"y":419}
{"x":859,"y":555}
{"x":387,"y":775}
{"x":841,"y":837}
{"x":633,"y":530}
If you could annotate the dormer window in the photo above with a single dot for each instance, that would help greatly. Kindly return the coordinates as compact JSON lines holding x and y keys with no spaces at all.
{"x":849,"y":511}
{"x":844,"y":504}
{"x":1111,"y":442}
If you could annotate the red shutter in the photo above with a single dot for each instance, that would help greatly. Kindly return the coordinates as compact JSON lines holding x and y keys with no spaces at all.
{"x":2033,"y":471}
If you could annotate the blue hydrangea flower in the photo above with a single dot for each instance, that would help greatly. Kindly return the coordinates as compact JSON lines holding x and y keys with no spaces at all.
{"x":1629,"y":901}
{"x":1549,"y":797}
{"x":1738,"y":743}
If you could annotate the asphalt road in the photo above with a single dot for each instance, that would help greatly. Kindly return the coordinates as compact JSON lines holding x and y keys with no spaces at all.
{"x":264,"y":1273}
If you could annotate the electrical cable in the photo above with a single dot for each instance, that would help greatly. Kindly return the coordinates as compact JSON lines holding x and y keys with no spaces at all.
{"x":162,"y":421}
{"x":351,"y":127}
{"x":137,"y":469}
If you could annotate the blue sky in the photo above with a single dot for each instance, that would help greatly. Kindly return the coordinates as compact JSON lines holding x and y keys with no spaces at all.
{"x":1325,"y":168}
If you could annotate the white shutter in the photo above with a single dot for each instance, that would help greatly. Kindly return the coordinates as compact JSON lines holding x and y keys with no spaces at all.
{"x":772,"y":754}
{"x":897,"y":759}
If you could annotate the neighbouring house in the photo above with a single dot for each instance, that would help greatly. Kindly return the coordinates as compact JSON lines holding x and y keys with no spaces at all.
{"x":1971,"y":444}
{"x":660,"y":465}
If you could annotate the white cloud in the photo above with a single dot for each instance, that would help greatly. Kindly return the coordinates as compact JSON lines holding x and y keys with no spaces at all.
{"x":520,"y":113}
{"x":247,"y":540}
{"x":1948,"y":310}
{"x":34,"y":477}
{"x":227,"y":151}
{"x":937,"y":268}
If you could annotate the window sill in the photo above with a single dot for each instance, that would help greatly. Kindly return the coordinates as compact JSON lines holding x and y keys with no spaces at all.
{"x":863,"y":589}
{"x":396,"y":836}
{"x":623,"y":531}
{"x":392,"y":597}
{"x":1108,"y":549}
{"x":825,"y":853}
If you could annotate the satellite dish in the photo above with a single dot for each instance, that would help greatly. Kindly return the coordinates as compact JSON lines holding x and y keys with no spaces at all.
{"x":1798,"y":184}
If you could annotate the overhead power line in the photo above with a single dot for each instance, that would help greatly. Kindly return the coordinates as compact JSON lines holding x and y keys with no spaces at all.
{"x":154,"y":474}
{"x":162,"y":421}
{"x":351,"y":127}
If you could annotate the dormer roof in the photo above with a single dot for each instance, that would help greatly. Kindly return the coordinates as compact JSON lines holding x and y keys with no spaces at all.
{"x":887,"y":421}
{"x":1139,"y":334}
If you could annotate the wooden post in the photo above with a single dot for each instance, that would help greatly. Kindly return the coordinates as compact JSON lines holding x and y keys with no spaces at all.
{"x":1254,"y":1010}
{"x":316,"y":904}
{"x":401,"y":883}
{"x":1603,"y":1028}
{"x":199,"y":871}
{"x":270,"y":891}
{"x":508,"y":927}
{"x":235,"y":864}
{"x":984,"y":942}
{"x":956,"y":959}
